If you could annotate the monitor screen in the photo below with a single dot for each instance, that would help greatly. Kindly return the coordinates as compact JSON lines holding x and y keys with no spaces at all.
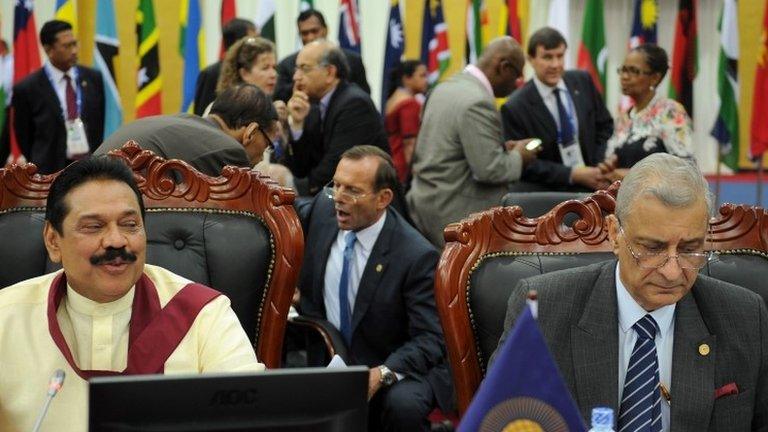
{"x":306,"y":399}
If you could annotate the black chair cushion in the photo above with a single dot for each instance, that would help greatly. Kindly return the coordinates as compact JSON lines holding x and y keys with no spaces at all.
{"x":535,"y":204}
{"x":22,"y":250}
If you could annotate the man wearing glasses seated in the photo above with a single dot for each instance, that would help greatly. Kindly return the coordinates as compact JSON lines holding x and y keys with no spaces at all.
{"x":370,"y":274}
{"x":665,"y":347}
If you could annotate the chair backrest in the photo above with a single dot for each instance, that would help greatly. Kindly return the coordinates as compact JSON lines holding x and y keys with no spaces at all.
{"x":487,"y":253}
{"x":538,"y":203}
{"x":237,"y":233}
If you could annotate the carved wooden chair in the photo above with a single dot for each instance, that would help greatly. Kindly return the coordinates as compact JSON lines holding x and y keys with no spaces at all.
{"x":237,"y":233}
{"x":487,"y":253}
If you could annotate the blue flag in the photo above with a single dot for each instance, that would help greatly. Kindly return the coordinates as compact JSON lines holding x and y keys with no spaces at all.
{"x":107,"y":46}
{"x":349,"y":25}
{"x":190,"y":41}
{"x":427,"y":32}
{"x":394,"y":48}
{"x":523,"y":388}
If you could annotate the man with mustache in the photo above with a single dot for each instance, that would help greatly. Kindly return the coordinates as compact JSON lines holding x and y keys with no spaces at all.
{"x":107,"y":312}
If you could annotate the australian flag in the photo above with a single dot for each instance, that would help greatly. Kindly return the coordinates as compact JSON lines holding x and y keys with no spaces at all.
{"x":394,"y":48}
{"x":524,"y":385}
{"x":349,"y":25}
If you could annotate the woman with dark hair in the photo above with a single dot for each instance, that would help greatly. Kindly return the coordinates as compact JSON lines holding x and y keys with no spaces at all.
{"x":402,"y":113}
{"x":654,"y":123}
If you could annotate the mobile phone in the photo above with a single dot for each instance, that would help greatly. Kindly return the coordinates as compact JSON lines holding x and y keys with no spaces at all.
{"x":533,"y":144}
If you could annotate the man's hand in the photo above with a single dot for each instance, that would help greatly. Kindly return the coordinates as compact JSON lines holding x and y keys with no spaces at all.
{"x":298,"y":109}
{"x":519,"y":146}
{"x":282,"y":110}
{"x":590,"y":177}
{"x":374,"y":381}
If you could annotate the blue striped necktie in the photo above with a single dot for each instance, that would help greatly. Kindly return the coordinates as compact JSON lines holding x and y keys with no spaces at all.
{"x":641,"y":399}
{"x":566,"y":128}
{"x":345,"y":312}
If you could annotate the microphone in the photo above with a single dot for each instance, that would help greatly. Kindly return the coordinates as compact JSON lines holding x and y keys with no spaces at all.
{"x":54,"y":385}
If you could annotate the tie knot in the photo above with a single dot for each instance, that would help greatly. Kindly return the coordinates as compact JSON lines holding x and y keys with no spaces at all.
{"x":67,"y":78}
{"x":349,"y":239}
{"x":645,"y":327}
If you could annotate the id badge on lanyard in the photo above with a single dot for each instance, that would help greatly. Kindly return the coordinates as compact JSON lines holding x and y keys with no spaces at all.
{"x":570,"y":153}
{"x":77,"y":141}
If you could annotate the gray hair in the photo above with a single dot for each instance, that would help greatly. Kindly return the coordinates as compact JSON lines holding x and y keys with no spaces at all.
{"x":674,"y":181}
{"x":332,"y":55}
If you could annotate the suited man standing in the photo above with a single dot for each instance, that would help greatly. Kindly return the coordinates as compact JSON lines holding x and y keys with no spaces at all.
{"x":461,"y":164}
{"x":566,"y":111}
{"x":311,"y":25}
{"x":371,"y":275}
{"x":648,"y":336}
{"x":327,"y":115}
{"x":59,"y":109}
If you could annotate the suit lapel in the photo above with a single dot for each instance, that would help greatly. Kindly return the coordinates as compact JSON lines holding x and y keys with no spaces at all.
{"x":580,"y":105}
{"x":595,"y":346}
{"x":540,"y":111}
{"x":374,"y":269}
{"x":49,"y":93}
{"x":693,"y":374}
{"x":327,"y":234}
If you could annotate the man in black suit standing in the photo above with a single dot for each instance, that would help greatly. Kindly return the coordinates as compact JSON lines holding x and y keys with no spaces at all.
{"x":311,"y":24}
{"x":327,"y":116}
{"x":205,"y":88}
{"x":566,"y":111}
{"x":370,"y":274}
{"x":59,"y":109}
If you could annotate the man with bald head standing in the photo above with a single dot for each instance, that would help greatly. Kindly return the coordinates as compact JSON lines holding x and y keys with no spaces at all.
{"x":461,"y":163}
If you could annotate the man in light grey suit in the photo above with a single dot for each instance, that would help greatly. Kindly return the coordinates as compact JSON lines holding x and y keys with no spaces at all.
{"x":461,"y":163}
{"x":665,"y":347}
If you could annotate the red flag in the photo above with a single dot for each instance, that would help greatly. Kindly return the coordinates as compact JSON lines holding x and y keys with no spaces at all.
{"x":514,"y":27}
{"x":227,"y":14}
{"x":759,"y":141}
{"x":26,"y":56}
{"x":684,"y":55}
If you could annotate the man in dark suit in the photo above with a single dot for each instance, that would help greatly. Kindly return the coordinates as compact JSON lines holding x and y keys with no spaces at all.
{"x":648,"y":336}
{"x":311,"y":24}
{"x":205,"y":88}
{"x":327,"y":115}
{"x":59,"y":109}
{"x":371,"y":275}
{"x":566,"y":111}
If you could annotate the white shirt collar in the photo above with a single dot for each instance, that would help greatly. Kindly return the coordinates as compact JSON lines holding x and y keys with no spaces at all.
{"x":57,"y":74}
{"x":630,"y":312}
{"x":367,"y":236}
{"x":545,"y":90}
{"x":86,"y":306}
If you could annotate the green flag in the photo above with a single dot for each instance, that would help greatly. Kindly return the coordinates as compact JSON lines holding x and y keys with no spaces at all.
{"x":726,"y":129}
{"x":593,"y":54}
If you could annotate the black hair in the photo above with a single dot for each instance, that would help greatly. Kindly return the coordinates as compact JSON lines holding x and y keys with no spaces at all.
{"x":50,"y":29}
{"x":405,"y":68}
{"x":309,"y":13}
{"x":386,"y":176}
{"x":334,"y":56}
{"x":546,"y":37}
{"x":234,"y":30}
{"x":243,"y":104}
{"x":655,"y":57}
{"x":95,"y":168}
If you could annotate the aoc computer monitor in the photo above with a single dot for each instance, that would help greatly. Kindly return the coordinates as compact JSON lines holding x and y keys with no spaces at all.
{"x":306,"y":399}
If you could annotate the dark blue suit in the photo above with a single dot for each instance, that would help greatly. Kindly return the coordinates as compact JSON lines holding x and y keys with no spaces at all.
{"x":394,"y":320}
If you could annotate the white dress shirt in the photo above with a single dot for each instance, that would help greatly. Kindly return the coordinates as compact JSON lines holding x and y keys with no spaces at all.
{"x":547,"y":94}
{"x":629,"y":313}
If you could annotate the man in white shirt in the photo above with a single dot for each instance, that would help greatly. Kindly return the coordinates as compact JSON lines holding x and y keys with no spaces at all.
{"x":106,"y":313}
{"x":371,"y":275}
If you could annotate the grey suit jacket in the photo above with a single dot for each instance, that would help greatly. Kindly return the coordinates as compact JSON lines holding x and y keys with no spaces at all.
{"x":579,"y":319}
{"x":459,"y":165}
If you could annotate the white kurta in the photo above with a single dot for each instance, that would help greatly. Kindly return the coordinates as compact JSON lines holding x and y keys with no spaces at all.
{"x":97,"y":335}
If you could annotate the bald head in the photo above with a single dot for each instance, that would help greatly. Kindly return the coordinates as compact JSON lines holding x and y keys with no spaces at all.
{"x":320,"y":66}
{"x":502,"y":63}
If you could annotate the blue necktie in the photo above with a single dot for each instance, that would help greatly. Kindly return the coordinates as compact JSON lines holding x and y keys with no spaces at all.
{"x":345,"y":312}
{"x":641,"y":400}
{"x":566,"y":128}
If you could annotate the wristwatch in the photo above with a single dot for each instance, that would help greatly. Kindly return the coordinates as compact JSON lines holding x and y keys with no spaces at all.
{"x":387,"y":376}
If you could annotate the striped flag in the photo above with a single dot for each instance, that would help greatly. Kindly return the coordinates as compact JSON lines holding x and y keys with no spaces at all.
{"x":476,"y":14}
{"x":66,"y":10}
{"x":726,"y":129}
{"x":558,"y":19}
{"x":148,"y":102}
{"x":192,"y":49}
{"x":349,"y":25}
{"x":643,"y":31}
{"x":593,"y":54}
{"x":226,"y":14}
{"x":394,"y":48}
{"x":265,"y":19}
{"x":514,"y":26}
{"x":26,"y":57}
{"x":759,"y":127}
{"x":106,"y":49}
{"x":684,"y":56}
{"x":435,"y":52}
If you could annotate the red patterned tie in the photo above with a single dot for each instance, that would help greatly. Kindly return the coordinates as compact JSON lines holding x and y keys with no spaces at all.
{"x":71,"y":99}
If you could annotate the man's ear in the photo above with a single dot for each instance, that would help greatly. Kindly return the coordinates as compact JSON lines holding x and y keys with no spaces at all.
{"x":250,"y":132}
{"x":52,"y":241}
{"x":385,"y":198}
{"x":613,"y":232}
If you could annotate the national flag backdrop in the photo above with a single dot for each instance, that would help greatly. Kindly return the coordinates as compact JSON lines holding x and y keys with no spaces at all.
{"x":26,"y":56}
{"x":435,"y":52}
{"x":684,"y":55}
{"x":593,"y":54}
{"x":475,"y":17}
{"x":226,"y":14}
{"x":149,"y":81}
{"x":394,"y":48}
{"x":306,"y":4}
{"x":191,"y":49}
{"x":510,"y":9}
{"x":644,"y":18}
{"x":106,"y":49}
{"x":726,"y":129}
{"x":66,"y":10}
{"x":523,"y":384}
{"x":759,"y":127}
{"x":559,"y":19}
{"x":349,"y":25}
{"x":265,"y":19}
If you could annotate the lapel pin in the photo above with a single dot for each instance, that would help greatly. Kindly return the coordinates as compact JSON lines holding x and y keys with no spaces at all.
{"x":83,"y":83}
{"x":379,"y":267}
{"x":704,"y":349}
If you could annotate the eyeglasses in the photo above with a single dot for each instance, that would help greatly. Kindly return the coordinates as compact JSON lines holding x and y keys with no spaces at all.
{"x":631,"y":70}
{"x":653,"y":260}
{"x":270,"y":143}
{"x":331,"y":191}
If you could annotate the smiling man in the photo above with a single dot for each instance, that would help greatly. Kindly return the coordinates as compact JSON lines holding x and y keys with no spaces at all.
{"x":665,"y":347}
{"x":107,"y":312}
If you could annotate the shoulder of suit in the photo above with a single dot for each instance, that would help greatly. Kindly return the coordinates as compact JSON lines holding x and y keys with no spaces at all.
{"x":85,"y":70}
{"x":415,"y":243}
{"x":520,"y":94}
{"x":31,"y":80}
{"x":289,"y":60}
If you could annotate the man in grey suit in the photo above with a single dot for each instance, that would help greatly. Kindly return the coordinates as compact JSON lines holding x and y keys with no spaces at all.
{"x":461,"y":163}
{"x":665,"y":347}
